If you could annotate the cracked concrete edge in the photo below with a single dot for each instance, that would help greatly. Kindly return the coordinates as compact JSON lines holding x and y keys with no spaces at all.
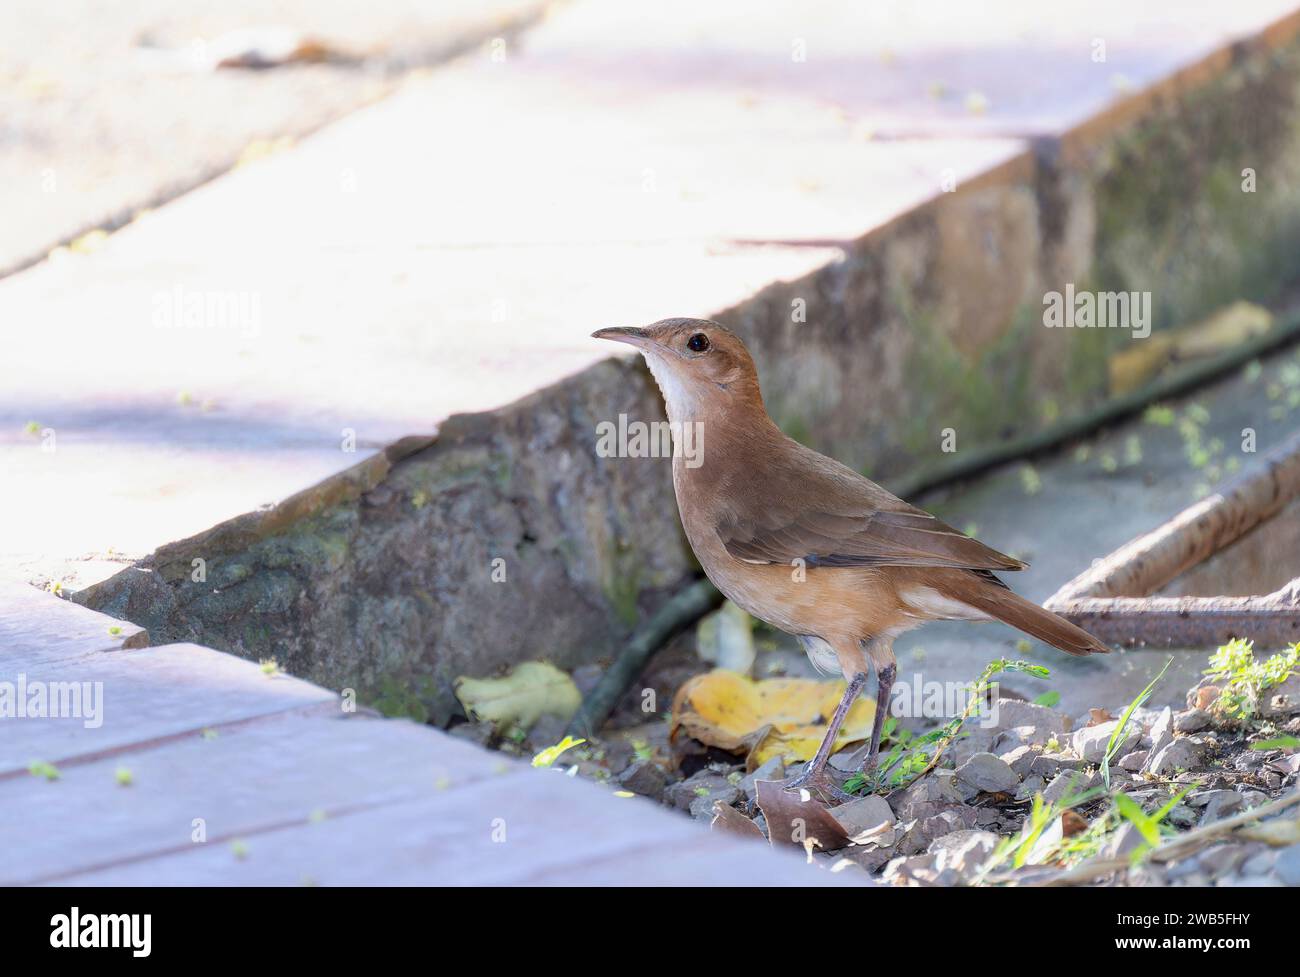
{"x":345,"y":486}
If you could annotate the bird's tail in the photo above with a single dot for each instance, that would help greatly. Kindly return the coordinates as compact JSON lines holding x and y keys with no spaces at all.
{"x":1011,"y":608}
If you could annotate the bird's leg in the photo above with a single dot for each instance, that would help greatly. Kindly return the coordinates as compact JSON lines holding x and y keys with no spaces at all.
{"x":884,"y":683}
{"x":814,"y":775}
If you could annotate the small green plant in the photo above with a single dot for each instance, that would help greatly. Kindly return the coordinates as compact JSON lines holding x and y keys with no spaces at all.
{"x":1030,"y":480}
{"x":1028,"y":847}
{"x":549,"y":755}
{"x":1278,"y":743}
{"x":1150,"y":826}
{"x":1132,"y":450}
{"x":907,"y":757}
{"x":911,"y":757}
{"x":642,"y":750}
{"x":1161,"y":415}
{"x":1117,"y":736}
{"x":1036,"y":846}
{"x":1244,"y":678}
{"x":1048,"y":699}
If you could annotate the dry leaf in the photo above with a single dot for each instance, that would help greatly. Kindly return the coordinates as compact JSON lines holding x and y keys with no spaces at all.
{"x":532,"y":690}
{"x":727,"y":819}
{"x":1226,"y":328}
{"x":1133,"y":365}
{"x":1207,"y":696}
{"x":768,"y":718}
{"x":1072,"y":823}
{"x":797,"y":818}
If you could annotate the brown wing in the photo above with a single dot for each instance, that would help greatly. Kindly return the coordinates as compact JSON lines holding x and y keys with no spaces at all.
{"x":828,"y":515}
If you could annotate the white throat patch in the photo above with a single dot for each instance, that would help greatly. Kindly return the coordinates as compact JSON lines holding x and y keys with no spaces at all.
{"x":679,"y":401}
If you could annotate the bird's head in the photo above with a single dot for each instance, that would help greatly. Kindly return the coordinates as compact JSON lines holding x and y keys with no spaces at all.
{"x":700,"y":365}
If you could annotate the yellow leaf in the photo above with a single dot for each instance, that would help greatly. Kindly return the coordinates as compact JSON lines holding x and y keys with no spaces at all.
{"x":549,"y":755}
{"x":1228,"y":327}
{"x":1136,"y":363}
{"x":772,"y":717}
{"x":1133,"y":365}
{"x":532,"y":690}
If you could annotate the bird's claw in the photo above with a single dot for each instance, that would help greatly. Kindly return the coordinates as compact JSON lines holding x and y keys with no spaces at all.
{"x":818,"y":781}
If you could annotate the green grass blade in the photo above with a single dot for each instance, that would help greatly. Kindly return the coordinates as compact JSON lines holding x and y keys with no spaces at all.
{"x":1132,"y":812}
{"x":1117,"y":736}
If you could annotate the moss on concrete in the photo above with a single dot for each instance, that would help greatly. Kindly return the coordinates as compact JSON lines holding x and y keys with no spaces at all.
{"x":1171,"y":214}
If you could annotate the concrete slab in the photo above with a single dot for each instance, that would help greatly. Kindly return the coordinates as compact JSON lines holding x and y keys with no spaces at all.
{"x":38,"y":628}
{"x":108,"y":110}
{"x":904,"y":69}
{"x":526,"y":828}
{"x":124,"y":699}
{"x":248,"y":779}
{"x":309,"y":794}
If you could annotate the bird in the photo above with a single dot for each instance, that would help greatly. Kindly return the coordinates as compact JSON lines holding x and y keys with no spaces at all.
{"x":809,"y":545}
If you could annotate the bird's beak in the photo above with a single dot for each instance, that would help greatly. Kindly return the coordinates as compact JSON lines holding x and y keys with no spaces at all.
{"x":625,"y":334}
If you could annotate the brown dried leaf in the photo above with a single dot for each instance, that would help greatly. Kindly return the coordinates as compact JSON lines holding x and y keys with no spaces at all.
{"x":730,"y":821}
{"x":797,"y":818}
{"x":1072,"y":823}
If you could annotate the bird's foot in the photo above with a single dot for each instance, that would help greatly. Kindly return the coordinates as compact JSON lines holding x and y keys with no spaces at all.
{"x":818,"y":781}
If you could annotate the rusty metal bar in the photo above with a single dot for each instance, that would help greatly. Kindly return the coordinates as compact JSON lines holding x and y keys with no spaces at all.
{"x":1109,"y":599}
{"x":1271,"y":621}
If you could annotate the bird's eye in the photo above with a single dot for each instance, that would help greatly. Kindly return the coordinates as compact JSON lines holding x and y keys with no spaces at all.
{"x":698,"y":343}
